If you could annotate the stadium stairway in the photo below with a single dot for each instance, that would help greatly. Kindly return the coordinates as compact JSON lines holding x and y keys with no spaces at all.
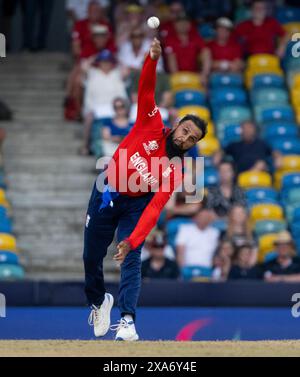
{"x":48,"y":182}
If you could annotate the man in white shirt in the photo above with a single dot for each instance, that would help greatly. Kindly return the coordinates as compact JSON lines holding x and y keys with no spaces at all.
{"x":77,"y":9}
{"x":103,"y":84}
{"x":196,"y":243}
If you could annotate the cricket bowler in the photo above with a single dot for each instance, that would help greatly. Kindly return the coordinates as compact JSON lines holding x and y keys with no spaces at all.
{"x":133,"y":213}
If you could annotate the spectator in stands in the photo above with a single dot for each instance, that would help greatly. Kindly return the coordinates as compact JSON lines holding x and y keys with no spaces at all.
{"x":103,"y":85}
{"x":244,"y":264}
{"x":132,"y":53}
{"x":158,"y":266}
{"x":77,"y":10}
{"x":82,"y":39}
{"x":251,"y":153}
{"x":128,"y":17}
{"x":89,"y":37}
{"x":222,"y":261}
{"x":167,"y":28}
{"x":238,"y":229}
{"x":184,"y":51}
{"x":286,"y":266}
{"x":196,"y":243}
{"x":226,"y":194}
{"x":225,"y":52}
{"x":259,"y":35}
{"x":114,"y":130}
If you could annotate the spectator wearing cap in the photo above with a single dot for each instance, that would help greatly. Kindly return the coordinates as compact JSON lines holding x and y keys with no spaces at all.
{"x":128,"y":17}
{"x":244,"y":264}
{"x":261,"y":34}
{"x":103,"y":84}
{"x":132,"y":53}
{"x":185,"y":52}
{"x":286,"y":266}
{"x":225,"y":52}
{"x":158,"y":266}
{"x":82,"y":39}
{"x":197,"y":242}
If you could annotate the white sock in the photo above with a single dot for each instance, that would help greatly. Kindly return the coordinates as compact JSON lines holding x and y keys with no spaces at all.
{"x":128,"y":317}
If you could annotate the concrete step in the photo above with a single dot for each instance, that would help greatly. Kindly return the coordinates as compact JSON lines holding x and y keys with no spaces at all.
{"x":44,"y":181}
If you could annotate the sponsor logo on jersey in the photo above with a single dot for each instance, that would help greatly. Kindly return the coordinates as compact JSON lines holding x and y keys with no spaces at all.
{"x":152,"y":146}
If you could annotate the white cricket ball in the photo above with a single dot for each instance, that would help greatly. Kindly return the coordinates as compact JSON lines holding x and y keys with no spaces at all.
{"x":153,"y":22}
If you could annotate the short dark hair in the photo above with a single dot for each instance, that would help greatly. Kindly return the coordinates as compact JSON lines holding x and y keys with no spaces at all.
{"x":200,"y":123}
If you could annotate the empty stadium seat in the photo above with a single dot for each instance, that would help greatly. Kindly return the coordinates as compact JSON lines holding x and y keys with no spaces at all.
{"x":290,"y":180}
{"x":218,"y":80}
{"x":231,"y":133}
{"x":267,"y":81}
{"x":192,"y":272}
{"x":201,"y":112}
{"x":228,"y":97}
{"x":253,"y":179}
{"x":211,"y":177}
{"x":286,"y":145}
{"x":266,"y":245}
{"x":7,"y":242}
{"x":11,"y":272}
{"x":208,"y":146}
{"x":269,"y":226}
{"x":185,"y":80}
{"x":282,"y":113}
{"x":234,"y":114}
{"x":292,"y":27}
{"x":279,"y":129}
{"x":274,"y":96}
{"x":8,"y":257}
{"x":189,"y":97}
{"x":256,"y":195}
{"x":265,"y":211}
{"x":266,"y":61}
{"x":287,"y":14}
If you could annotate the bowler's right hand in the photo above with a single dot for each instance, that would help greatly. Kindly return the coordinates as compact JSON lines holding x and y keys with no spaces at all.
{"x":155,"y":49}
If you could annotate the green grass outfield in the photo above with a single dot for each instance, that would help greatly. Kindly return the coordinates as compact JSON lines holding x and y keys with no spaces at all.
{"x":145,"y":348}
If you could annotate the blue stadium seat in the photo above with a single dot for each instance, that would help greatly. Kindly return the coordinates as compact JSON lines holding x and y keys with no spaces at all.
{"x":189,"y":98}
{"x":233,"y":115}
{"x":278,"y":129}
{"x":267,"y":80}
{"x":275,"y":96}
{"x":8,"y":257}
{"x":296,"y":216}
{"x":269,"y":226}
{"x":231,"y":133}
{"x":5,"y":225}
{"x":211,"y":177}
{"x":218,"y":80}
{"x":11,"y":272}
{"x":172,"y":227}
{"x":287,"y":14}
{"x":227,"y":97}
{"x":261,"y":195}
{"x":285,"y":145}
{"x":192,"y":272}
{"x":282,"y":113}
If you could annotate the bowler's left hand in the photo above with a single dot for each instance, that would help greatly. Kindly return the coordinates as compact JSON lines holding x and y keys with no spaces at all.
{"x":123,"y":249}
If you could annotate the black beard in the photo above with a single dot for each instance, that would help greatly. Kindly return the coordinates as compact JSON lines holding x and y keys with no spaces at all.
{"x":172,"y":149}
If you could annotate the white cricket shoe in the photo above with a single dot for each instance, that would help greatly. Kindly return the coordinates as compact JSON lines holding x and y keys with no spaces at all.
{"x":100,"y":317}
{"x":125,"y":330}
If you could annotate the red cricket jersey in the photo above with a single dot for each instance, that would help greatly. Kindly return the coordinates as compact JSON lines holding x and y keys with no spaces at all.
{"x":259,"y":39}
{"x":230,"y":51}
{"x":135,"y":168}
